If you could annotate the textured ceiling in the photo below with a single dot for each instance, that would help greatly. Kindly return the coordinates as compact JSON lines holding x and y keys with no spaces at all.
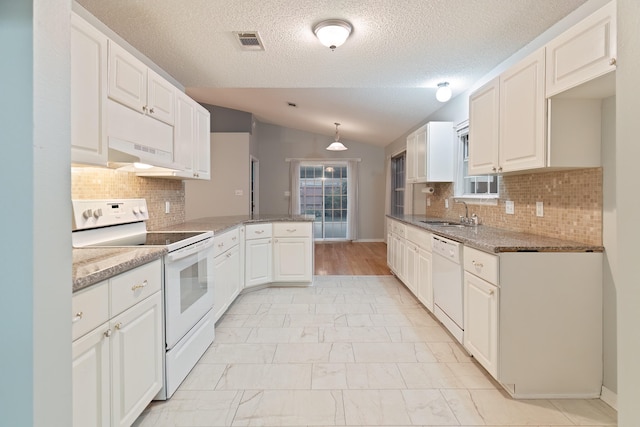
{"x":379,"y":84}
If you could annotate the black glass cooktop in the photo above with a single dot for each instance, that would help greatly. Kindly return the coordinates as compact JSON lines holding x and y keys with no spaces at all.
{"x":150,"y":239}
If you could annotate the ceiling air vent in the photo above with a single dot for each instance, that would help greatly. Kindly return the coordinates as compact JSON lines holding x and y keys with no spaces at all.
{"x":249,"y":40}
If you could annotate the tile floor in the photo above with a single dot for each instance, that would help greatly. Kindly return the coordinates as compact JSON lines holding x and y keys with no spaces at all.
{"x":354,"y":351}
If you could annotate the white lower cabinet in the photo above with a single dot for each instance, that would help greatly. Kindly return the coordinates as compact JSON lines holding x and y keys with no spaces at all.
{"x":424,"y":285}
{"x":411,"y":270}
{"x":136,"y":359}
{"x":91,"y":379}
{"x":118,"y":347}
{"x":226,"y":273}
{"x":292,"y":252}
{"x":259,"y":262}
{"x":481,"y":321}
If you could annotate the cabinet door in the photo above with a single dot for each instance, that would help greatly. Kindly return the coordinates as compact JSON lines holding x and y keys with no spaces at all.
{"x":411,"y":268}
{"x":522,"y":115}
{"x":259,"y":262}
{"x":160,"y":98}
{"x":226,"y":273}
{"x":401,"y":253}
{"x":420,"y":141}
{"x":582,"y":53}
{"x":202,"y":146}
{"x":481,"y":321}
{"x":292,"y":259}
{"x":91,"y":381}
{"x":423,"y":283}
{"x":88,"y":93}
{"x":439,"y":151}
{"x":137,"y":348}
{"x":411,"y":158}
{"x":484,"y":122}
{"x":390,"y":250}
{"x":127,"y":78}
{"x":184,"y":132}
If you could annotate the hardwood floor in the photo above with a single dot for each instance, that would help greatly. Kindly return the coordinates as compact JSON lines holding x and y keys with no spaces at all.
{"x":349,"y":259}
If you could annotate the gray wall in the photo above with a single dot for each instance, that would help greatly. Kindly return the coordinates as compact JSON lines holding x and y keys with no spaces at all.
{"x":277,"y":143}
{"x":229,"y":120}
{"x":627,"y":209}
{"x":36,"y":263}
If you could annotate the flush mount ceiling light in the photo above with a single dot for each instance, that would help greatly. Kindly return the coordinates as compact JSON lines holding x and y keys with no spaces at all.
{"x":443,"y":94}
{"x":336,"y":145}
{"x":332,"y":32}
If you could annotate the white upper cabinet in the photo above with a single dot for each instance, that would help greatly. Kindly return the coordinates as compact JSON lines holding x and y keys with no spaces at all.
{"x":430,"y":152}
{"x":484,"y":120}
{"x":521,"y":143}
{"x":192,"y":138}
{"x":133,"y":84}
{"x":88,"y":93}
{"x":202,"y":144}
{"x":584,"y":52}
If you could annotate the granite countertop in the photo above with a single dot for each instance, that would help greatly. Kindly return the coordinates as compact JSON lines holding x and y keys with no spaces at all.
{"x":491,"y":239}
{"x":93,"y":265}
{"x":219,"y":224}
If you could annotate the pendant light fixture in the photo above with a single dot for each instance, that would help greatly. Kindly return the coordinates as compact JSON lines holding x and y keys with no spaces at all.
{"x":443,"y":94}
{"x":332,"y":32}
{"x":336,"y":145}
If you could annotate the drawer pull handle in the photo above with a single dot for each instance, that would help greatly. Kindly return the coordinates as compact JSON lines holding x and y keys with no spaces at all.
{"x":291,"y":230}
{"x":477,"y":264}
{"x":259,"y":231}
{"x":77,"y":317}
{"x":107,"y":333}
{"x":233,"y":238}
{"x":118,"y":326}
{"x":229,"y":255}
{"x":139,"y":286}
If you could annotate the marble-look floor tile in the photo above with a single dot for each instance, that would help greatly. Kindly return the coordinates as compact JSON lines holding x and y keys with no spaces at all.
{"x":288,"y":308}
{"x":314,"y":299}
{"x":329,"y":376}
{"x":344,"y":308}
{"x":204,"y":376}
{"x":232,"y":320}
{"x":587,"y":412}
{"x":266,"y":377}
{"x":371,"y":376}
{"x":472,"y":376}
{"x":428,"y":375}
{"x":231,"y":335}
{"x":283,"y":335}
{"x":496,"y":407}
{"x":418,"y":334}
{"x":302,"y":353}
{"x":200,"y":409}
{"x":392,"y":353}
{"x":290,"y":408}
{"x":264,"y":321}
{"x":449,"y":352}
{"x":239,"y":353}
{"x":359,"y":334}
{"x":239,"y":307}
{"x":316,"y":320}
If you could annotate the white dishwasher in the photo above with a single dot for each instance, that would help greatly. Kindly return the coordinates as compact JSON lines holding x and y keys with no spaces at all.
{"x":448,"y":284}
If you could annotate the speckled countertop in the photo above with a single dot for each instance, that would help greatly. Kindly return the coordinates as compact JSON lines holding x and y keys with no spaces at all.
{"x":219,"y":224}
{"x":93,"y":265}
{"x":490,"y":239}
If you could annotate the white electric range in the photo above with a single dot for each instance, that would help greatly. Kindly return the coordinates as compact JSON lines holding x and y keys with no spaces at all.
{"x":187,"y":282}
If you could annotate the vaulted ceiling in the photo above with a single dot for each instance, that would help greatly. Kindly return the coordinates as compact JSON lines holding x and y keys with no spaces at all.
{"x":379,"y":84}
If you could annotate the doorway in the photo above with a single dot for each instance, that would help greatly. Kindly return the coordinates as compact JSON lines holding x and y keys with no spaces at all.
{"x":253,"y":196}
{"x":323,"y":194}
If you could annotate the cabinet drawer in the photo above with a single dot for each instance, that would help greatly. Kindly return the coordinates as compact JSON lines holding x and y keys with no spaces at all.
{"x":482,"y":264}
{"x":225,"y":241}
{"x":89,"y":309}
{"x":399,"y":229}
{"x":292,"y":229}
{"x":135,"y":285}
{"x":258,"y":231}
{"x":421,"y":238}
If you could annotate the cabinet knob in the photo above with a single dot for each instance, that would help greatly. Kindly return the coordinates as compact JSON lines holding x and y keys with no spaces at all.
{"x":139,"y":286}
{"x":118,"y":326}
{"x":477,"y":264}
{"x":491,"y":292}
{"x":151,"y":111}
{"x":612,"y":61}
{"x":500,"y":169}
{"x":493,"y":169}
{"x":107,"y":333}
{"x":144,"y":108}
{"x":77,"y":317}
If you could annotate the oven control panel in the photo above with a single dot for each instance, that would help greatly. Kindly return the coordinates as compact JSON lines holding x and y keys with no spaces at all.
{"x":89,"y":214}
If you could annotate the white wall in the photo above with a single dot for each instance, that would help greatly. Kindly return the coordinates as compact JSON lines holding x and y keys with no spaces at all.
{"x":627,"y":211}
{"x":277,"y":143}
{"x":36,"y":255}
{"x":229,"y":173}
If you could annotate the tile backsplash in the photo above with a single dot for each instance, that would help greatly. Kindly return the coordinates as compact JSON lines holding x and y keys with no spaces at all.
{"x":572,"y":205}
{"x":102,"y":183}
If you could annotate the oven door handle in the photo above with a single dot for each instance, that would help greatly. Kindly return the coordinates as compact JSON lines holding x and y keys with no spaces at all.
{"x":189,"y":250}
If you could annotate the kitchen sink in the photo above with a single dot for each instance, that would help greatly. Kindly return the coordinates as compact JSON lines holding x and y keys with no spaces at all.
{"x":439,"y":223}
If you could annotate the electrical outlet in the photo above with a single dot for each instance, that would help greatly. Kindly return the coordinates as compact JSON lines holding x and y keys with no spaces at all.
{"x":238,"y":192}
{"x":167,"y":207}
{"x":287,"y":193}
{"x":446,"y":203}
{"x":539,"y":209}
{"x":428,"y":201}
{"x":510,"y":207}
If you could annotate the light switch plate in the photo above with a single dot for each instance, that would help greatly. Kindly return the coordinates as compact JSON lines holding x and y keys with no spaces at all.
{"x":539,"y":209}
{"x":238,"y":192}
{"x":510,"y":207}
{"x":446,"y":203}
{"x":167,"y":207}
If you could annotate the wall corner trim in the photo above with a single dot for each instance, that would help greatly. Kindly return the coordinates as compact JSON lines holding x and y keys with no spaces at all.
{"x":609,"y":397}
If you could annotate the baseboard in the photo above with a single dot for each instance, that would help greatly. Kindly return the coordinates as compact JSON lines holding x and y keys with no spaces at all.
{"x":369,"y":241}
{"x":609,"y":397}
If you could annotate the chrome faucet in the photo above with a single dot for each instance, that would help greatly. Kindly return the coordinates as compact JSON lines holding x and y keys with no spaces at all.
{"x":466,"y":219}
